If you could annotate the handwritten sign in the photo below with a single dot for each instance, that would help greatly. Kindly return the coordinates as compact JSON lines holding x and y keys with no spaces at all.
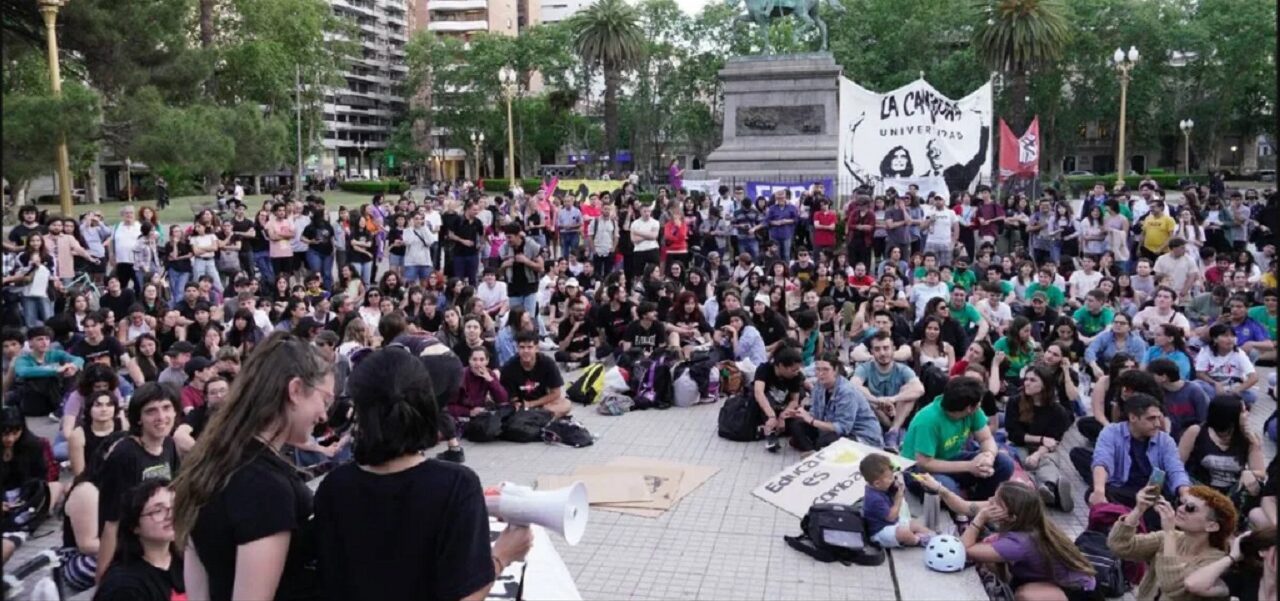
{"x":828,"y":476}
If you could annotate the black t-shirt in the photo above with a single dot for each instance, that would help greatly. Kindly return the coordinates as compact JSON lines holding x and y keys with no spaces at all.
{"x":140,"y":581}
{"x":771,"y":326}
{"x":467,"y":229}
{"x":532,"y":384}
{"x":614,"y":323}
{"x":645,"y":338}
{"x":430,"y":324}
{"x":422,"y":533}
{"x":128,"y":465}
{"x":321,"y":233}
{"x":359,"y":256}
{"x":261,"y":241}
{"x":118,"y":304}
{"x":396,"y":234}
{"x":582,"y":338}
{"x":19,"y":234}
{"x":265,"y":496}
{"x":178,"y":265}
{"x":107,"y":347}
{"x":1041,"y":325}
{"x":520,"y":284}
{"x":239,"y":227}
{"x":776,"y":388}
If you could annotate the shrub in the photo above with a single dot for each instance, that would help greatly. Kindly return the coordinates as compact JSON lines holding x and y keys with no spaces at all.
{"x":385,"y":186}
{"x":1167,"y":181}
{"x":499,"y":185}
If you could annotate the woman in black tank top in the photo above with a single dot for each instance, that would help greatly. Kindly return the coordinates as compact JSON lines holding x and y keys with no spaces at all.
{"x":100,"y":417}
{"x":1224,"y":453}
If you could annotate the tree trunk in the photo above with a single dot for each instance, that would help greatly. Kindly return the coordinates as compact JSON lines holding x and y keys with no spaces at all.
{"x":611,"y":78}
{"x":206,"y":23}
{"x":1018,"y":91}
{"x":91,"y":185}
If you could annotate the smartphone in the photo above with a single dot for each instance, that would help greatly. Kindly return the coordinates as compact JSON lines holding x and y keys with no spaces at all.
{"x":1157,"y":477}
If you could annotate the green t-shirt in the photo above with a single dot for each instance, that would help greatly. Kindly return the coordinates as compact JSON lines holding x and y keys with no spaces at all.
{"x":1013,"y":363}
{"x":1056,"y":297}
{"x":1091,"y":324}
{"x":1268,"y":321}
{"x":964,"y":278}
{"x":934,"y":434}
{"x":966,"y":316}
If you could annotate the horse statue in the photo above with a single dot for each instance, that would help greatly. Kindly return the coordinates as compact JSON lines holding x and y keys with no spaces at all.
{"x":764,"y":12}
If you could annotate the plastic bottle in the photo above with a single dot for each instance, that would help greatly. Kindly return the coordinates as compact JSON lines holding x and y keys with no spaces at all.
{"x":713,"y":385}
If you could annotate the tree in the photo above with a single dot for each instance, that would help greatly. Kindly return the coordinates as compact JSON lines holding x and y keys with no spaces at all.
{"x":1017,"y":38}
{"x":609,"y":37}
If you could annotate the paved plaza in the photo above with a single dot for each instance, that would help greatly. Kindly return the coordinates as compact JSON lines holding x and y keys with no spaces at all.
{"x":720,"y":542}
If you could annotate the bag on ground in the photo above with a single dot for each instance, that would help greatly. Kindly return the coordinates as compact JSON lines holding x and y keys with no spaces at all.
{"x":732,"y":380}
{"x":740,"y":419}
{"x":1108,"y":571}
{"x":684,"y":391}
{"x":833,"y":532}
{"x":614,"y":404}
{"x":487,"y":426}
{"x":589,"y":386}
{"x":526,"y":425}
{"x":567,"y":432}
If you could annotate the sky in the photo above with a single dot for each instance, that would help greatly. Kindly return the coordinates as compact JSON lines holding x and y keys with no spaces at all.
{"x":692,"y":7}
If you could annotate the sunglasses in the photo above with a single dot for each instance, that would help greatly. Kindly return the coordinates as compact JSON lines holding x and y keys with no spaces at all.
{"x":1188,"y":508}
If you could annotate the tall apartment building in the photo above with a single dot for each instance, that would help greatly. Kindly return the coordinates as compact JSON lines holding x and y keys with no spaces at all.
{"x":555,"y":11}
{"x":360,"y":116}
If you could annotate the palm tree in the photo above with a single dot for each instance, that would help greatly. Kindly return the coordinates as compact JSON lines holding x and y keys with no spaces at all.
{"x":608,"y":35}
{"x":1017,"y":37}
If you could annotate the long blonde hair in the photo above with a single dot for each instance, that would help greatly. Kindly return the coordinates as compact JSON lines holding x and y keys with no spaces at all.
{"x":257,"y":401}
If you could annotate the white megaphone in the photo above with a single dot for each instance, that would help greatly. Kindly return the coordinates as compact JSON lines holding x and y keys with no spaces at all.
{"x":563,"y":510}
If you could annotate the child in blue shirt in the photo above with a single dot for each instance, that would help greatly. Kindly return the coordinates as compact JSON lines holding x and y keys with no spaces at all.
{"x":886,"y":515}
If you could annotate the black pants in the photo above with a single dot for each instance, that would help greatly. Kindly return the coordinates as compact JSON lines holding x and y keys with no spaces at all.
{"x":124,"y":273}
{"x":640,"y":260}
{"x":860,"y":253}
{"x":805,"y":437}
{"x":1090,"y":428}
{"x":1082,"y":460}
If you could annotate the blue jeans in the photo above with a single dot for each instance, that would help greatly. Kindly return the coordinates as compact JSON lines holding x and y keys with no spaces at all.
{"x":750,"y":246}
{"x":203,"y":267}
{"x":266,"y":273}
{"x":1247,"y":396}
{"x":365,"y":270}
{"x":36,"y":310}
{"x":177,"y":283}
{"x":784,"y":247}
{"x":980,"y":489}
{"x":568,"y":243}
{"x":466,"y":266}
{"x":322,"y":264}
{"x":416,"y":273}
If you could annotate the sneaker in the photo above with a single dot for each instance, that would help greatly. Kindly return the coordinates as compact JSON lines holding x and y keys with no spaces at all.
{"x":454,"y":454}
{"x":1047,"y":495}
{"x":54,"y":417}
{"x":771,"y":443}
{"x":892,"y":440}
{"x":1066,"y":500}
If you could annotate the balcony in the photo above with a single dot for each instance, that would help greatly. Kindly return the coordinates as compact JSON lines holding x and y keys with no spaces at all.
{"x":458,"y":26}
{"x":455,"y":5}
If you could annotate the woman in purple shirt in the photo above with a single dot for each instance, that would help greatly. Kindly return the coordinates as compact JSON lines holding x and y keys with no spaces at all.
{"x":675,"y":176}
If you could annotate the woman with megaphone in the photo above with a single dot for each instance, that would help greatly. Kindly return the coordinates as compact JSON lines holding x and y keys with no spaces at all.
{"x":395,"y":524}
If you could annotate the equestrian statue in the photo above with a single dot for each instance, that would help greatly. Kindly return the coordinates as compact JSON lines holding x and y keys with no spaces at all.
{"x":764,"y":12}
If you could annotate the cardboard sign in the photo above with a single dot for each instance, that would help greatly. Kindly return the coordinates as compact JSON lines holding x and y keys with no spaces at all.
{"x":693,"y":477}
{"x":828,"y":476}
{"x":662,"y":484}
{"x":618,"y":487}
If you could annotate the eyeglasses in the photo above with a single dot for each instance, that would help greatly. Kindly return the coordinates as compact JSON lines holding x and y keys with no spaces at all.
{"x":1188,"y":508}
{"x":159,"y":514}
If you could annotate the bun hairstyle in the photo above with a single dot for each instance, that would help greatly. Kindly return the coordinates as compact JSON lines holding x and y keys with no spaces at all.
{"x":395,"y":407}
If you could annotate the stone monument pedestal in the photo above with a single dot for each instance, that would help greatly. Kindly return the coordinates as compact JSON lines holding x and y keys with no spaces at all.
{"x":781,"y":113}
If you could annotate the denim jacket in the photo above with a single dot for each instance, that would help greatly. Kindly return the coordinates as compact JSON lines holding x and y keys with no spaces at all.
{"x":848,"y":410}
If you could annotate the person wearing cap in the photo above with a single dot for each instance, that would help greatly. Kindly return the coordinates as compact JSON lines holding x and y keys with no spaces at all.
{"x":1179,"y":266}
{"x":177,"y":355}
{"x":307,"y":328}
{"x":772,"y":327}
{"x":199,"y":371}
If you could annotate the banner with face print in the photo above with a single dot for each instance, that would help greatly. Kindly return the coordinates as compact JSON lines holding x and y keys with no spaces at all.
{"x":915,"y":135}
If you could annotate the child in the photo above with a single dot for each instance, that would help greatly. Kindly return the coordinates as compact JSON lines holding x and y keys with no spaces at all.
{"x":883,"y":509}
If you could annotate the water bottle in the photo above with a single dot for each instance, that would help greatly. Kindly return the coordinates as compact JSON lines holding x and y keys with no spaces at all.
{"x":713,"y":386}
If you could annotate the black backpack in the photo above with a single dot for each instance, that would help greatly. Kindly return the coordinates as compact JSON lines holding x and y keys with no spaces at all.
{"x":487,"y":426}
{"x":567,"y":432}
{"x":1108,"y":570}
{"x":526,"y":425}
{"x":834,"y":532}
{"x":740,"y":419}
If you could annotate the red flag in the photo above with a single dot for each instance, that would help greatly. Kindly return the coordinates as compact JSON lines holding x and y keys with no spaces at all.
{"x":1019,"y":157}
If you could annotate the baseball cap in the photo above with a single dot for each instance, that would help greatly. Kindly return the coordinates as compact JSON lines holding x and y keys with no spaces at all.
{"x":1038,"y":295}
{"x":571,"y":283}
{"x":762,"y":298}
{"x":307,"y":324}
{"x":196,"y":364}
{"x":180,"y":347}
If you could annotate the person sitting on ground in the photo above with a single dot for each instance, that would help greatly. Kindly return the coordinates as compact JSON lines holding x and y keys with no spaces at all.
{"x":777,"y":390}
{"x":1251,"y":336}
{"x":199,"y":371}
{"x":575,"y":332}
{"x":1117,"y":339}
{"x":1043,"y":562}
{"x":481,"y":388}
{"x":518,"y":322}
{"x":146,"y":565}
{"x":838,"y":411}
{"x":533,"y":380}
{"x":647,"y":333}
{"x":26,"y":459}
{"x":1094,"y":316}
{"x":1162,"y":311}
{"x":196,"y":420}
{"x":882,"y":321}
{"x":738,"y":339}
{"x":43,"y":373}
{"x":369,"y":544}
{"x":891,"y":388}
{"x":80,"y":527}
{"x":1128,"y":453}
{"x":1248,"y":569}
{"x":887,"y":516}
{"x":1184,"y":403}
{"x":100,"y":416}
{"x":1223,"y":368}
{"x":1036,"y":427}
{"x":1189,"y":537}
{"x":940,"y":433}
{"x":1225,"y":453}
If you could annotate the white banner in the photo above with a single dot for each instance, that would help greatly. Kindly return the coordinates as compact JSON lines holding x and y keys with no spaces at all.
{"x":828,"y":476}
{"x":915,"y":135}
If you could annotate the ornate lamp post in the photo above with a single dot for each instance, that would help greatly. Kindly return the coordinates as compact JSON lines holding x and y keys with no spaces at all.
{"x":477,"y":140}
{"x":49,"y":10}
{"x":128,"y":179}
{"x":1124,"y":63}
{"x":507,"y":76}
{"x":1186,"y":125}
{"x":363,"y":147}
{"x":1235,"y":162}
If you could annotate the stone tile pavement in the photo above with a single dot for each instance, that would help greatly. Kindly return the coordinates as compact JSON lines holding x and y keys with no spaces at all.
{"x":719,"y":542}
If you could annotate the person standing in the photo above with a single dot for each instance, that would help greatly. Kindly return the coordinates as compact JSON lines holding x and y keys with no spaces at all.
{"x":318,"y":236}
{"x":644,"y":239}
{"x":782,"y":218}
{"x":569,"y":226}
{"x":603,"y":240}
{"x":897,"y":222}
{"x":522,"y":265}
{"x":466,"y":235}
{"x":123,"y":238}
{"x":942,"y":230}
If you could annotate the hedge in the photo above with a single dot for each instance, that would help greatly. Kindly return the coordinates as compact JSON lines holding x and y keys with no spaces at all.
{"x":1167,"y":181}
{"x":385,"y":186}
{"x":500,"y":185}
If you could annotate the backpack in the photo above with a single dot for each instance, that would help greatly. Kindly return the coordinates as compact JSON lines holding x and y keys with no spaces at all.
{"x":684,"y":391}
{"x":614,"y":404}
{"x":487,"y":426}
{"x":832,"y":532}
{"x":567,"y":432}
{"x":652,"y":387}
{"x":1101,"y":518}
{"x":589,"y":386}
{"x":740,"y":419}
{"x":1108,"y":571}
{"x":732,"y":380}
{"x":526,"y":425}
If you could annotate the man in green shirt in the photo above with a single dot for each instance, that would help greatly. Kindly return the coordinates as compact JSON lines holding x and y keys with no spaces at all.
{"x":1044,"y":283}
{"x":1265,"y":314}
{"x":996,"y":274}
{"x":937,"y":437}
{"x":1094,"y":316}
{"x":967,"y":315}
{"x":962,"y":276}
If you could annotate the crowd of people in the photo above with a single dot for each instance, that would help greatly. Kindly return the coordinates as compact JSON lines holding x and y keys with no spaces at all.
{"x":194,"y":369}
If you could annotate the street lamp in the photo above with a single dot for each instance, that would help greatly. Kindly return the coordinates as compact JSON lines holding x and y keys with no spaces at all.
{"x":1234,"y":161}
{"x":507,"y":76}
{"x":1186,"y":126}
{"x":128,"y":180}
{"x":363,"y":146}
{"x":477,"y":140}
{"x":49,"y":10}
{"x":1124,"y":63}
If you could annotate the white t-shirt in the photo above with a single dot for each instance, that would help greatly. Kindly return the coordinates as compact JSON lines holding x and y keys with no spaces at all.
{"x":922,"y":293}
{"x":125,"y":237}
{"x":649,"y":227}
{"x":1231,"y":368}
{"x":997,"y":315}
{"x":39,"y":284}
{"x":492,"y":297}
{"x":433,"y":224}
{"x":943,"y":219}
{"x":206,"y":241}
{"x":1084,"y":283}
{"x":1178,"y":269}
